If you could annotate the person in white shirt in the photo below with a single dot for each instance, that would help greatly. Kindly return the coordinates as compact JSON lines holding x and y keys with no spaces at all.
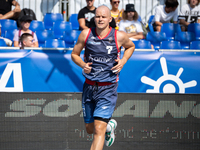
{"x":7,"y":41}
{"x":130,"y":23}
{"x":165,"y":14}
{"x":190,"y":13}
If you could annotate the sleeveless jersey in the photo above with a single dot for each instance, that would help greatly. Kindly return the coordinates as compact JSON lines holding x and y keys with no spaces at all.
{"x":102,"y":53}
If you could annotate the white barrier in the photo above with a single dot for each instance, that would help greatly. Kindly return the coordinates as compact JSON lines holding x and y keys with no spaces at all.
{"x":145,"y":8}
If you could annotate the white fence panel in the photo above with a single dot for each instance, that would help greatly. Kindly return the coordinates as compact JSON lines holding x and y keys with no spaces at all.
{"x":41,"y":7}
{"x":145,"y":8}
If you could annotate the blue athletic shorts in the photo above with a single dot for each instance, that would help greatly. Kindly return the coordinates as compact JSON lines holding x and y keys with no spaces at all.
{"x":98,"y":101}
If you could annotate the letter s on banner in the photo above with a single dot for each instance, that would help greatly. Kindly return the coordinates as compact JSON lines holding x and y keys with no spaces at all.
{"x":25,"y":108}
{"x":17,"y":78}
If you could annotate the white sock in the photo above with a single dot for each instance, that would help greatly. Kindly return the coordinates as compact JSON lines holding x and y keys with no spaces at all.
{"x":108,"y":129}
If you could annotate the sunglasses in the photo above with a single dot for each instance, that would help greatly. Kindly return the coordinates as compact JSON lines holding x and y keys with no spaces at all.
{"x":115,"y":2}
{"x":27,"y":21}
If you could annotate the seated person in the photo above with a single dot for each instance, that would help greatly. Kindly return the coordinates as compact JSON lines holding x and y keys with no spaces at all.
{"x":190,"y":13}
{"x":86,"y":14}
{"x":130,"y":23}
{"x":112,"y":23}
{"x":165,"y":13}
{"x":115,"y":12}
{"x":26,"y":40}
{"x":25,"y":24}
{"x":5,"y":9}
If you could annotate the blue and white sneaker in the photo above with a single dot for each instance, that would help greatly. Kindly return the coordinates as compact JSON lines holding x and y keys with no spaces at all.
{"x":110,"y":136}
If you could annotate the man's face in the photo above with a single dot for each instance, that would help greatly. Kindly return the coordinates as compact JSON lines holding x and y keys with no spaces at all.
{"x":90,"y":3}
{"x":102,"y":18}
{"x":130,"y":14}
{"x":29,"y":42}
{"x":171,"y":9}
{"x":193,"y":3}
{"x":115,"y":3}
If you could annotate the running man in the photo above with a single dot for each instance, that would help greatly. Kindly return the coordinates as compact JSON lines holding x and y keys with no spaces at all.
{"x":101,"y":69}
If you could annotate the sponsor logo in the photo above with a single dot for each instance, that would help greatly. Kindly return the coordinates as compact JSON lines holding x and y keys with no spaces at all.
{"x":33,"y":107}
{"x":104,"y":107}
{"x":92,"y":38}
{"x":94,"y":43}
{"x":168,"y":83}
{"x":99,"y":59}
{"x":110,"y":39}
{"x":15,"y":69}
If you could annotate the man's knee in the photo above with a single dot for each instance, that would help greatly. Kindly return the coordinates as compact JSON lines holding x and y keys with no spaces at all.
{"x":158,"y":28}
{"x":89,"y":128}
{"x":100,"y":127}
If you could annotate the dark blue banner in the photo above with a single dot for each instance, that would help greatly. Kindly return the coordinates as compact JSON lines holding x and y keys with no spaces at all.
{"x":54,"y":71}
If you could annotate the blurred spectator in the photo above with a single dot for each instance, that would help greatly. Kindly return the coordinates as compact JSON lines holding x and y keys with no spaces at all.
{"x":190,"y":13}
{"x":86,"y":14}
{"x":26,"y":40}
{"x":8,"y":41}
{"x":26,"y":11}
{"x":115,"y":12}
{"x":25,"y":24}
{"x":5,"y":9}
{"x":165,"y":14}
{"x":130,"y":23}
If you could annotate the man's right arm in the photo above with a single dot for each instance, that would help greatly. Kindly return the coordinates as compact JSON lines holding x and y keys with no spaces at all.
{"x":75,"y":55}
{"x":81,"y":19}
{"x":77,"y":50}
{"x":82,"y":23}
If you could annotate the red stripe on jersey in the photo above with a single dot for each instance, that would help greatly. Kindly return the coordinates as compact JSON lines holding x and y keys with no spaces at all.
{"x":103,"y":37}
{"x":119,"y":50}
{"x":85,"y":43}
{"x":87,"y":36}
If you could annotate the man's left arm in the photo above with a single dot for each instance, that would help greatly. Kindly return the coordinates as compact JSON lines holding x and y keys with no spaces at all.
{"x":17,"y":6}
{"x":129,"y":46}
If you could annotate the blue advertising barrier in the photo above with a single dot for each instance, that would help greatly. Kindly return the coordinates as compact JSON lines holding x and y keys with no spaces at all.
{"x":54,"y":71}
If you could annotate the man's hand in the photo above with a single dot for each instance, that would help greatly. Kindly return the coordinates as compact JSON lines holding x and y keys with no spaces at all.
{"x":120,"y":64}
{"x":87,"y":69}
{"x":17,"y":6}
{"x":17,"y":9}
